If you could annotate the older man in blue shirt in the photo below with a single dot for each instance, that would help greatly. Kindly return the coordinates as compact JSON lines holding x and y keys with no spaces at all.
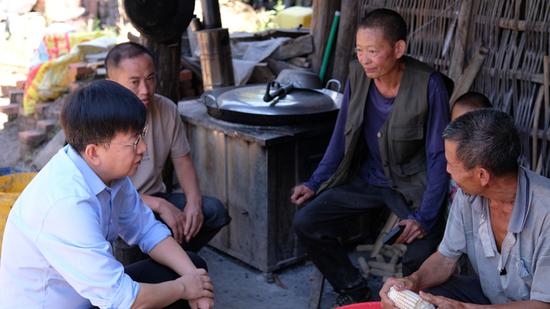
{"x":56,"y":250}
{"x":499,"y":219}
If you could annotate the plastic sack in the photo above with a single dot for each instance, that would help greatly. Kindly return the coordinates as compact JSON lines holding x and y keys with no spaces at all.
{"x":49,"y":79}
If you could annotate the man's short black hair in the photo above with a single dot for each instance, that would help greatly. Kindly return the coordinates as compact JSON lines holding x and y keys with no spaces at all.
{"x":487,"y":138}
{"x":95,"y":113}
{"x":473,"y":100}
{"x":123,"y":51}
{"x":391,"y":23}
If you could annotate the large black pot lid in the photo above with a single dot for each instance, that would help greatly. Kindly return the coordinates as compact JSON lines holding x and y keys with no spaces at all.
{"x":246,"y":105}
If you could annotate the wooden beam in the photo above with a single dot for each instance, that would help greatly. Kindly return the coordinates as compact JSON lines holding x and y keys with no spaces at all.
{"x":345,"y":40}
{"x":457,"y":59}
{"x":216,"y":64}
{"x":514,"y":74}
{"x":316,"y":289}
{"x":299,"y":46}
{"x":466,"y":80}
{"x":417,"y":11}
{"x":167,"y":63}
{"x":390,"y":222}
{"x":536,"y":110}
{"x":523,"y":25}
{"x":515,"y":24}
{"x":323,"y":13}
{"x":546,"y":85}
{"x":277,"y":66}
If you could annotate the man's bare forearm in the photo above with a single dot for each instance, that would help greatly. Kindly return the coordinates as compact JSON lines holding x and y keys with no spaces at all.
{"x":158,"y":295}
{"x":150,"y":201}
{"x":170,"y":254}
{"x":433,"y":272}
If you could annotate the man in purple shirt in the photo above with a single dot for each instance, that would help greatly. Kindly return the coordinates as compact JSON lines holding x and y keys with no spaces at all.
{"x":386,"y":151}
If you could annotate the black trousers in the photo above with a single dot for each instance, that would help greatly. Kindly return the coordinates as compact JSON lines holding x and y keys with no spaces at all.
{"x":149,"y":271}
{"x":321,"y":222}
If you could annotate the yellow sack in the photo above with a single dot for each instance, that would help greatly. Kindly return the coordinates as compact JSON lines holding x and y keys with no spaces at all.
{"x":48,"y":80}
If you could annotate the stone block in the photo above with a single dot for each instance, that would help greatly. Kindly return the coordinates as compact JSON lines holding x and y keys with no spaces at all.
{"x":46,"y":153}
{"x":5,"y":90}
{"x":26,"y":122}
{"x":186,"y":75}
{"x":40,"y":108}
{"x":31,"y":138}
{"x":12,"y":110}
{"x":46,"y":125}
{"x":20,"y":84}
{"x":16,"y":96}
{"x":80,"y":71}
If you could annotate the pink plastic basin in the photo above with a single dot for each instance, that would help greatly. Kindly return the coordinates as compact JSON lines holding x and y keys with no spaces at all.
{"x":367,"y":305}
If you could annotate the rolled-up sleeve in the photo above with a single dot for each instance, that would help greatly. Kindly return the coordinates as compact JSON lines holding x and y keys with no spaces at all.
{"x":137,"y":223}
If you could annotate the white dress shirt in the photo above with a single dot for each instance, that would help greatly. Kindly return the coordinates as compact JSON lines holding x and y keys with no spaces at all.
{"x":56,"y":250}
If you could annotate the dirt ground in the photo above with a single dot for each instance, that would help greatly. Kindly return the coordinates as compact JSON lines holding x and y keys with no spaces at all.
{"x":238,"y":286}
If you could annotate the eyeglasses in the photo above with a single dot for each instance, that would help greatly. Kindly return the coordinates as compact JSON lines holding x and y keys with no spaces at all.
{"x":136,"y":142}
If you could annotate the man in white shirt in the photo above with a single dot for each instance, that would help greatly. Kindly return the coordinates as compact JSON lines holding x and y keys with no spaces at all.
{"x":56,"y":249}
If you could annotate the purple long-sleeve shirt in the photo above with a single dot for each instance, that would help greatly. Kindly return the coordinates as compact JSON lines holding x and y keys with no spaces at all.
{"x":377,"y":110}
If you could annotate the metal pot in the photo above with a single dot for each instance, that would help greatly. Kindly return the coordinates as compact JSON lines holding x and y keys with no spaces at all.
{"x":246,"y":105}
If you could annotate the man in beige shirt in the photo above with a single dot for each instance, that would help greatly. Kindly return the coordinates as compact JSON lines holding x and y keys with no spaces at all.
{"x":193,"y":219}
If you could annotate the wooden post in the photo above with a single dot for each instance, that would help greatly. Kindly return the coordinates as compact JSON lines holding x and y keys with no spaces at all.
{"x":167,"y":63}
{"x":345,"y":40}
{"x":211,"y":17}
{"x":91,"y":8}
{"x":457,"y":59}
{"x":390,"y":222}
{"x":323,"y":13}
{"x":216,"y":64}
{"x":534,"y":137}
{"x":546,"y":85}
{"x":316,"y":289}
{"x":465,"y":80}
{"x":108,"y":12}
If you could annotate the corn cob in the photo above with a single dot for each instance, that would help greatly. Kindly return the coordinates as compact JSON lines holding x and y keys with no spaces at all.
{"x":407,"y":299}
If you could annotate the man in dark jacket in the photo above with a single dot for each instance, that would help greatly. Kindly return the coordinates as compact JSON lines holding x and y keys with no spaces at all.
{"x":386,"y":151}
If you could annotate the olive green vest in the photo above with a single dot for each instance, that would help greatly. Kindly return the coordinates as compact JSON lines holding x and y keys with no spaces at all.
{"x":401,"y":140}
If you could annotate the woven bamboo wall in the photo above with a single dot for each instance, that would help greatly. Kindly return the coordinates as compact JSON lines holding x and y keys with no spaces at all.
{"x":515,"y":34}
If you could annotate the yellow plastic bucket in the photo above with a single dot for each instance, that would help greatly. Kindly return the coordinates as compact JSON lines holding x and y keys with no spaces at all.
{"x":10,"y":188}
{"x":294,"y":16}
